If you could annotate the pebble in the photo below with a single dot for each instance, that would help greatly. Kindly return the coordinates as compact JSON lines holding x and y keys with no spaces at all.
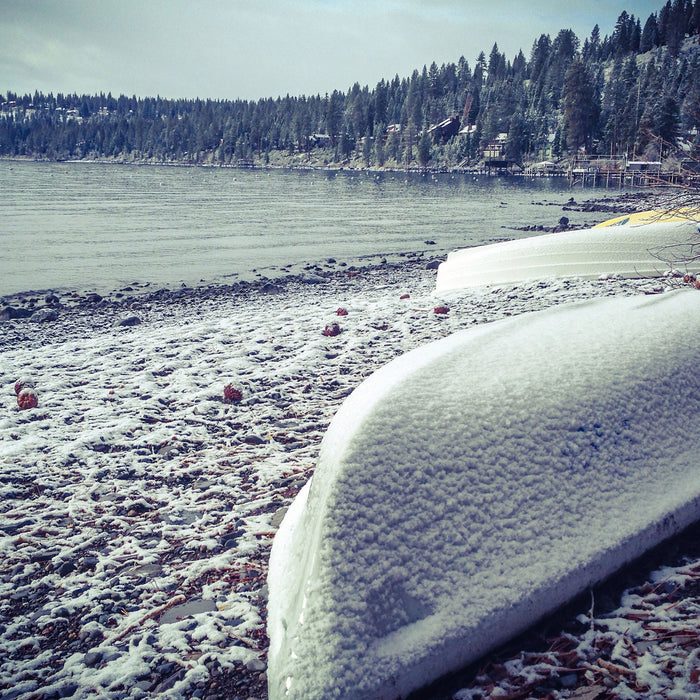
{"x":169,"y":682}
{"x":128,"y":321}
{"x":65,"y":568}
{"x":68,"y":690}
{"x":44,"y":315}
{"x":89,"y":562}
{"x":230,"y":539}
{"x":256,"y":665}
{"x":313,"y":279}
{"x":253,"y":440}
{"x":92,"y":658}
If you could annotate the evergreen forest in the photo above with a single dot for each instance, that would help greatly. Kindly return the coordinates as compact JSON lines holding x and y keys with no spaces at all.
{"x":632,"y":94}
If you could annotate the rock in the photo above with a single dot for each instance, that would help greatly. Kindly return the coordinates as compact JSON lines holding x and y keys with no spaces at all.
{"x":256,"y":665}
{"x":66,"y":568}
{"x":313,"y":279}
{"x":16,"y":527}
{"x":168,"y":451}
{"x":187,"y":609}
{"x":169,"y":682}
{"x":433,"y":265}
{"x":93,"y":298}
{"x":271,"y":288}
{"x":68,"y":691}
{"x":166,"y":668}
{"x":278,"y":517}
{"x":253,"y":440}
{"x":128,"y":321}
{"x":230,"y":539}
{"x":568,"y":680}
{"x":331,"y":330}
{"x":92,"y":658}
{"x":51,"y":300}
{"x":10,"y":313}
{"x":89,"y":562}
{"x":43,"y":315}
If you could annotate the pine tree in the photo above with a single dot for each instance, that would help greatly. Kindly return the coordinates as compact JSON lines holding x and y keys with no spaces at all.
{"x":676,"y":28}
{"x":379,"y":153}
{"x":695,"y":19}
{"x":665,"y":122}
{"x":424,"y":148}
{"x":367,"y":149}
{"x":580,"y":108}
{"x":650,"y":35}
{"x":515,"y":144}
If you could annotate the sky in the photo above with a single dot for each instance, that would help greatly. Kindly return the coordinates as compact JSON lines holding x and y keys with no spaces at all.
{"x":251,"y":49}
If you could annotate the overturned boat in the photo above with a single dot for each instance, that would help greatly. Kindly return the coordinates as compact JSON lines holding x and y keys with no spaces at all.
{"x":636,"y":248}
{"x":474,"y":485}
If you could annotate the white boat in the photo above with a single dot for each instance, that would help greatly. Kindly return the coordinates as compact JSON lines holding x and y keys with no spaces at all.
{"x":476,"y":484}
{"x":633,"y":250}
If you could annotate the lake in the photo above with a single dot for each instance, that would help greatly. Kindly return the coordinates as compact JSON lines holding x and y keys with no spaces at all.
{"x":100,"y":226}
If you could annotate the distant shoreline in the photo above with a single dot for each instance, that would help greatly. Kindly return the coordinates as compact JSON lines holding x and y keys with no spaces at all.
{"x":294,"y":162}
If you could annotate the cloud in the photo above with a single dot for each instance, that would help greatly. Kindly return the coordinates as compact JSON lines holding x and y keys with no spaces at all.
{"x":255,"y":48}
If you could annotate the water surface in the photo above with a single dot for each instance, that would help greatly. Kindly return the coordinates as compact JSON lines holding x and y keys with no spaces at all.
{"x":100,"y":226}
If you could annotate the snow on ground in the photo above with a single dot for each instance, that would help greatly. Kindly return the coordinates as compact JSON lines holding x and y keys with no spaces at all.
{"x":138,"y":507}
{"x":648,"y":250}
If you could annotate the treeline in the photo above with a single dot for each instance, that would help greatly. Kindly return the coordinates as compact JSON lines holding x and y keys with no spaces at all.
{"x":633,"y":93}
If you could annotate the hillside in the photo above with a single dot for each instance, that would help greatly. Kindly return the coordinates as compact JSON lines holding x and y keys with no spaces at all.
{"x":631,"y":95}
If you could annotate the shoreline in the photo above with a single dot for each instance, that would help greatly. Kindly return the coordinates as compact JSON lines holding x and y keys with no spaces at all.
{"x":292,"y":163}
{"x":104,"y":310}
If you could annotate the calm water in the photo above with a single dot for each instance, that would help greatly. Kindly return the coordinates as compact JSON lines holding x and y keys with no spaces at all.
{"x":93,"y":226}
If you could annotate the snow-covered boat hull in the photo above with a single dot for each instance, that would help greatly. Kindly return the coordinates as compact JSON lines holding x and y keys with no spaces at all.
{"x":476,"y":484}
{"x":645,"y":250}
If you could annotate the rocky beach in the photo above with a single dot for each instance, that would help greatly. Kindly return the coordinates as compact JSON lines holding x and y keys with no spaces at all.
{"x":171,"y":431}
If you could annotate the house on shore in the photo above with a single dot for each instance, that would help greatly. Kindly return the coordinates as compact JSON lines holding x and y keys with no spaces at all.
{"x":495,"y":154}
{"x":445,"y":130}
